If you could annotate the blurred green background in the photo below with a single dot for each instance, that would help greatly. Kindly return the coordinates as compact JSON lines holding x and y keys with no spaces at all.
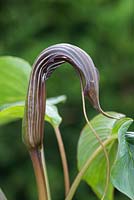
{"x":103,"y":28}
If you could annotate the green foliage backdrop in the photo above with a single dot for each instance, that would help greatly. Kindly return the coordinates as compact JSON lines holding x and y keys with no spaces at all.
{"x":101,"y":27}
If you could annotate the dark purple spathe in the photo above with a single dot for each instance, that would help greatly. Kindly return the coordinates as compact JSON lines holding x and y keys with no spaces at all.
{"x":49,"y":59}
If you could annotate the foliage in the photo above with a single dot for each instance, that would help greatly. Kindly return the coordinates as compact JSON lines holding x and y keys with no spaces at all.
{"x":2,"y":196}
{"x":14,"y":75}
{"x":123,"y":168}
{"x":15,"y":89}
{"x":96,"y":174}
{"x":109,"y":131}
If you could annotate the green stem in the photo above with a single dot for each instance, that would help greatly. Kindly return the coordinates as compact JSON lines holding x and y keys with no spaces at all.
{"x":45,"y":173}
{"x":40,"y":173}
{"x":85,"y":167}
{"x":63,"y":159}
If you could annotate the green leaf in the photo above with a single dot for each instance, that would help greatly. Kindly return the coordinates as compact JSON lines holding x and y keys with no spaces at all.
{"x":122,"y":174}
{"x":12,"y":112}
{"x":96,"y":173}
{"x":2,"y":196}
{"x":56,"y":100}
{"x":14,"y":76}
{"x":52,"y":115}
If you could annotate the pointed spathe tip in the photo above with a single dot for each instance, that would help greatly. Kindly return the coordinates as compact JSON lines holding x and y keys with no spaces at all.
{"x":106,"y":114}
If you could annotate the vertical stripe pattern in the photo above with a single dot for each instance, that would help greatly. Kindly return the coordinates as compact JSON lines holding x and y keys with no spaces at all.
{"x":48,"y":60}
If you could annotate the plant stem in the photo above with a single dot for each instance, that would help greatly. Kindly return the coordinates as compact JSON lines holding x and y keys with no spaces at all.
{"x":79,"y":176}
{"x":40,"y":173}
{"x":64,"y":159}
{"x":45,"y":173}
{"x":99,"y":140}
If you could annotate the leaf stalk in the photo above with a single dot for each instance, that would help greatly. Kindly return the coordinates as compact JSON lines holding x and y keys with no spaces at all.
{"x":37,"y":157}
{"x":63,"y":159}
{"x":83,"y":170}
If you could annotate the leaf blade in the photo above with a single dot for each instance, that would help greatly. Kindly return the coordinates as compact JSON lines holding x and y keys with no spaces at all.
{"x":14,"y":75}
{"x":56,"y":100}
{"x":96,"y":174}
{"x":122,"y":174}
{"x":14,"y":111}
{"x":2,"y":196}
